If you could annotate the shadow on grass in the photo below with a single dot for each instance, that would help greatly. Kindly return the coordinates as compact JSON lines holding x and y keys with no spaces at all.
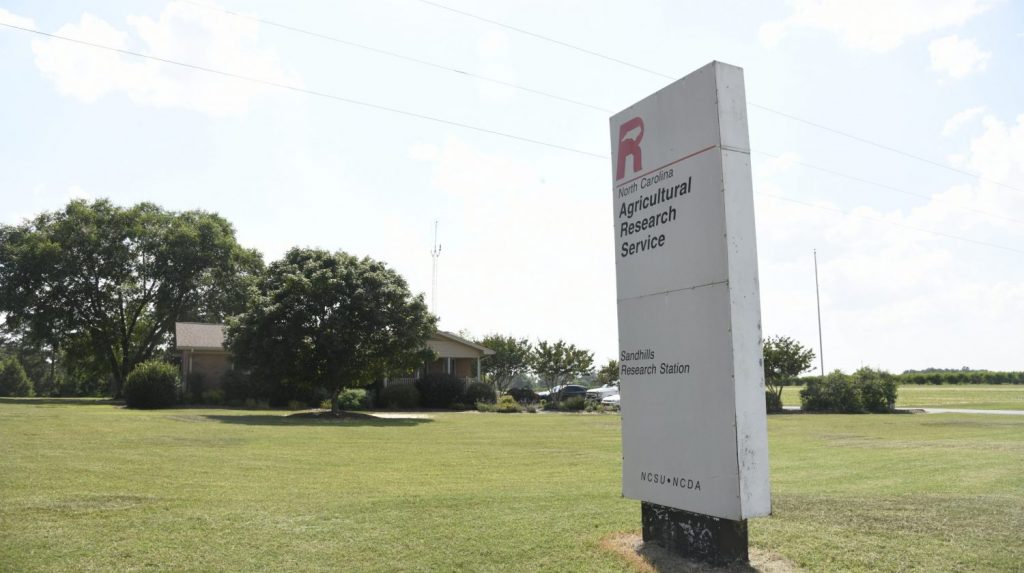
{"x":63,"y":401}
{"x":294,"y":420}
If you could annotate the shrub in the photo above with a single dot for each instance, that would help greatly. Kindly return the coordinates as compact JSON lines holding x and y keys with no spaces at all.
{"x":867,"y":390}
{"x":239,"y":385}
{"x":480,"y":392}
{"x":296,"y":405}
{"x":440,"y":390}
{"x":254,"y":404}
{"x":213,"y":397}
{"x":195,"y":384}
{"x":575,"y":403}
{"x":833,"y":393}
{"x":571,"y":404}
{"x":13,"y":379}
{"x":524,"y":395}
{"x":505,"y":405}
{"x":400,"y":397}
{"x":508,"y":405}
{"x":353,"y":399}
{"x":152,"y":384}
{"x":772,"y":402}
{"x":877,"y":389}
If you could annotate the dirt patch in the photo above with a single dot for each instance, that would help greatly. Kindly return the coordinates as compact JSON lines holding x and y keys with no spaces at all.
{"x":326,"y":415}
{"x":653,"y":559}
{"x":402,"y":416}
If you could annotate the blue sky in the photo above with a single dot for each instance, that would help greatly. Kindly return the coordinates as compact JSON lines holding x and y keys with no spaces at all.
{"x":526,"y":230}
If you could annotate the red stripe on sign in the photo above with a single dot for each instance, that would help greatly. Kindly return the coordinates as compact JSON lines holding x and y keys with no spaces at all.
{"x":656,"y":169}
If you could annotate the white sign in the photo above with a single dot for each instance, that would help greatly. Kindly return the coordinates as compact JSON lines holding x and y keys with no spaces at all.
{"x":694,"y":430}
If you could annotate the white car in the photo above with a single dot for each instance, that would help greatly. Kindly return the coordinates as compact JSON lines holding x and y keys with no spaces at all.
{"x":598,"y":394}
{"x":545,"y":394}
{"x":611,"y":401}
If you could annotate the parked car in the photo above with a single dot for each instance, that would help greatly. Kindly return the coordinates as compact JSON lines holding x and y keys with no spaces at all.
{"x":611,"y":401}
{"x":569,"y":391}
{"x":598,"y":394}
{"x":549,"y":394}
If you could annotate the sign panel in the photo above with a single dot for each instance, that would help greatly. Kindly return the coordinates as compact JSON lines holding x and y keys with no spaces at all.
{"x":694,"y":430}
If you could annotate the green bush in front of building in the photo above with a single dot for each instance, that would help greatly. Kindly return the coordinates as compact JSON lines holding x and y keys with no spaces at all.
{"x":152,"y":384}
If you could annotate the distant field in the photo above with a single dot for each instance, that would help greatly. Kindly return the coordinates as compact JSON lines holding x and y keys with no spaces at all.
{"x":971,"y":396}
{"x":93,"y":487}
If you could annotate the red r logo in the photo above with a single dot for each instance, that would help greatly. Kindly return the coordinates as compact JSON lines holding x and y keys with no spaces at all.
{"x":630,"y":134}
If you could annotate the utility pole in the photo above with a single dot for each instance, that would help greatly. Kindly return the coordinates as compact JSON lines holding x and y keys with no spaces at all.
{"x":817,"y":294}
{"x":435,"y":254}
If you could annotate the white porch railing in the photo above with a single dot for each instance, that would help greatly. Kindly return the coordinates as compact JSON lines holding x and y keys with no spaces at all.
{"x":410,"y":381}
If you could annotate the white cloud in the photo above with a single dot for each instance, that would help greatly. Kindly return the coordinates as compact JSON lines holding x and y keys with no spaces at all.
{"x":998,"y":155}
{"x":527,"y":239}
{"x":7,"y":17}
{"x":494,"y":54}
{"x":875,"y":26}
{"x":900,"y":298}
{"x":957,"y":57}
{"x":76,"y":192}
{"x":961,"y":118}
{"x":424,"y":152}
{"x":494,"y":44}
{"x":776,"y":165}
{"x":183,"y":32}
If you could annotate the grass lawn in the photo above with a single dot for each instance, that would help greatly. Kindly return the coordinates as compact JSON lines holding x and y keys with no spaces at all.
{"x":970,"y":396}
{"x":93,"y":487}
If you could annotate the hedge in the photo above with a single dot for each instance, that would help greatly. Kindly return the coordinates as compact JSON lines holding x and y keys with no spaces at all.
{"x":964,"y":377}
{"x":866,"y":390}
{"x":440,"y":390}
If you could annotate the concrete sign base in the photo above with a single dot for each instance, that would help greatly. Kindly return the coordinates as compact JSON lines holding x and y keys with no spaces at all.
{"x":694,"y":535}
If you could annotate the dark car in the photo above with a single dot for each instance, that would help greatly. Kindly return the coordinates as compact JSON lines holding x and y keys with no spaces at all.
{"x":571,"y":391}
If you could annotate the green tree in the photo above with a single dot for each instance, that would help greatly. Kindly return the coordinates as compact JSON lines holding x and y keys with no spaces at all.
{"x":559,"y":363}
{"x":13,"y":380}
{"x":609,"y":373}
{"x":330,"y":320}
{"x":784,"y":360}
{"x":511,"y":359}
{"x":118,"y":278}
{"x":37,"y":361}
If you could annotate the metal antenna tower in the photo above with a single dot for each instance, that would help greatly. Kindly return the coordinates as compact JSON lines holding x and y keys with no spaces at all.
{"x":434,"y":254}
{"x":817,"y":295}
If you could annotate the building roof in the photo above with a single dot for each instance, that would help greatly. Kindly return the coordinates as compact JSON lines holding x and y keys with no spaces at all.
{"x":199,"y":336}
{"x":205,"y":336}
{"x":454,"y":338}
